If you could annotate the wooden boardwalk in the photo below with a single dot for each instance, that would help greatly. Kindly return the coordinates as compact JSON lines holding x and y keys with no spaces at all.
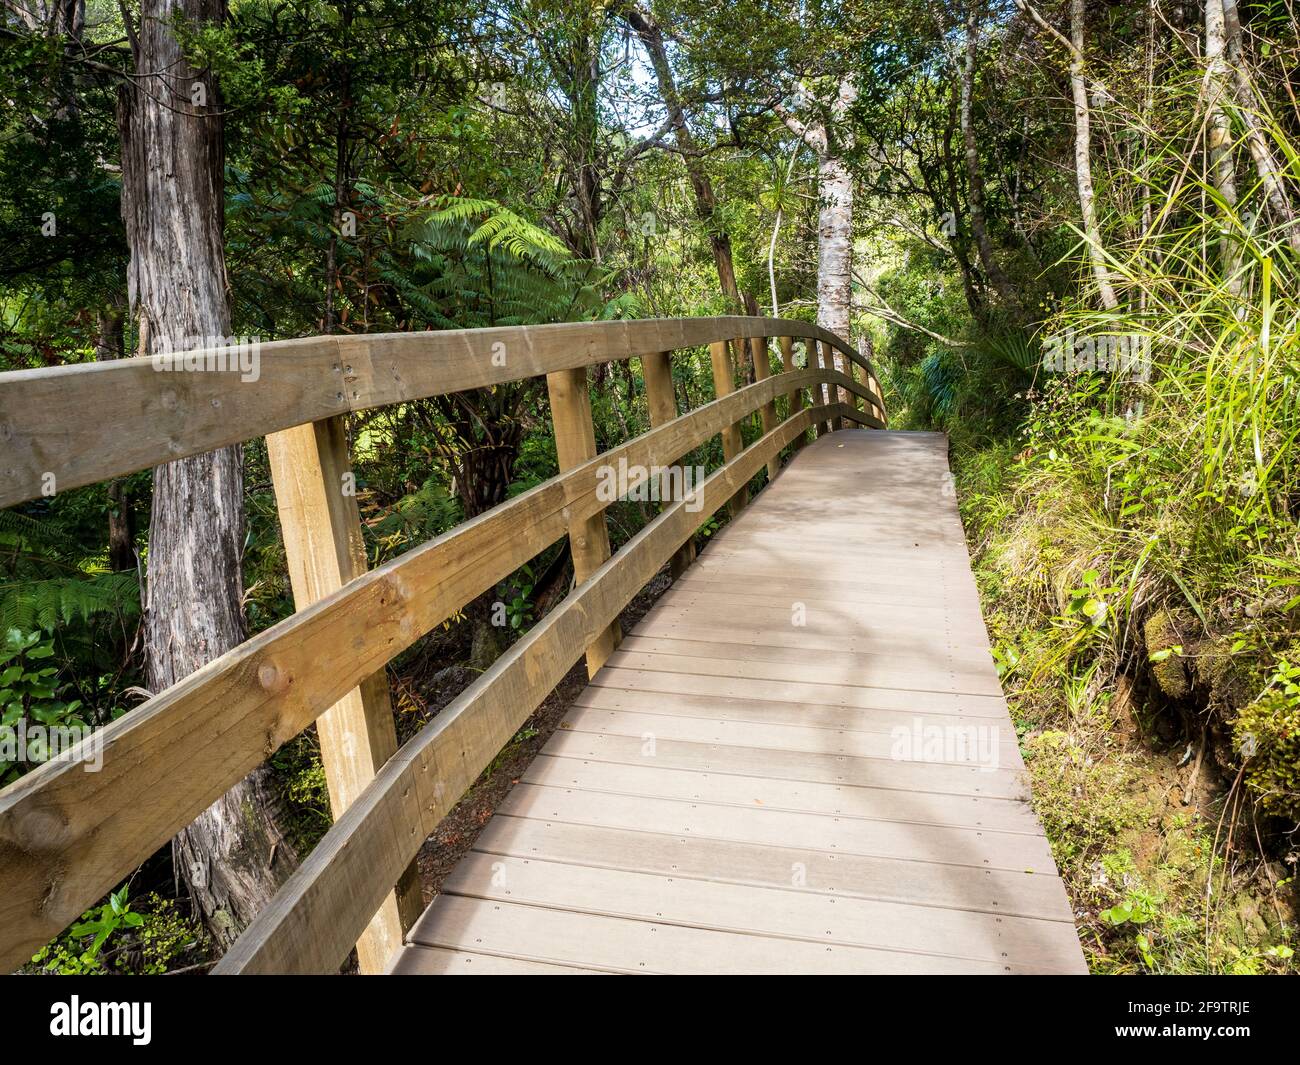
{"x":800,"y":761}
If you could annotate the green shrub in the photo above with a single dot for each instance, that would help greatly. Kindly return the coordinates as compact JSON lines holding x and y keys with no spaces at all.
{"x":29,"y":697}
{"x":116,"y":938}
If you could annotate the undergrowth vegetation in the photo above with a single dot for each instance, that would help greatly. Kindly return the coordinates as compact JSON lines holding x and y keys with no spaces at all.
{"x":1137,"y":546}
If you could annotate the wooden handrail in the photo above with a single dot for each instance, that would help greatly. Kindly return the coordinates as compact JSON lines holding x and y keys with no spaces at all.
{"x":91,"y":422}
{"x":67,"y":836}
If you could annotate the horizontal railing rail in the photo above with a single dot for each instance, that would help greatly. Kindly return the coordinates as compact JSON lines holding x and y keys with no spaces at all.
{"x":67,"y":836}
{"x":149,"y":411}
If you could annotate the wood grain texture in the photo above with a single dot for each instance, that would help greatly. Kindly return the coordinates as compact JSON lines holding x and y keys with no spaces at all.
{"x":575,"y":443}
{"x":66,"y":837}
{"x":315,"y":497}
{"x":312,"y":923}
{"x":724,"y":383}
{"x":767,"y":412}
{"x":833,"y":395}
{"x":823,"y":389}
{"x":795,"y":399}
{"x":661,"y":402}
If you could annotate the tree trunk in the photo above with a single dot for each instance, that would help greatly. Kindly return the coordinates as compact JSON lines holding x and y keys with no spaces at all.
{"x":110,"y":343}
{"x":834,"y":215}
{"x":834,"y":250}
{"x":485,"y":639}
{"x":834,"y":243}
{"x":1219,"y":134}
{"x":479,"y":438}
{"x":1083,"y":158}
{"x":1266,"y":165}
{"x":960,"y":246}
{"x":121,"y":529}
{"x":974,"y":169}
{"x":706,"y":203}
{"x":575,"y":66}
{"x":233,"y":857}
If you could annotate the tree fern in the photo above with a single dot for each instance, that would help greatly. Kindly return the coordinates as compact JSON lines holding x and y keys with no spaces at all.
{"x":51,"y":580}
{"x":56,"y":601}
{"x":26,"y":533}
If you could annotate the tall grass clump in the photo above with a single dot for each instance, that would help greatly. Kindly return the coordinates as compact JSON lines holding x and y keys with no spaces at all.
{"x":1138,"y":551}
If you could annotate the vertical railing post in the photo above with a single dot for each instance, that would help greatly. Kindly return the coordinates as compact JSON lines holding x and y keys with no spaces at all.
{"x":732,"y":444}
{"x":661,"y":399}
{"x":812,"y":361}
{"x":315,"y":495}
{"x":874,"y":385}
{"x":794,"y":398}
{"x":818,"y":390}
{"x":832,"y":391}
{"x":858,"y":374}
{"x":575,"y":443}
{"x":767,"y":412}
{"x":867,"y":379}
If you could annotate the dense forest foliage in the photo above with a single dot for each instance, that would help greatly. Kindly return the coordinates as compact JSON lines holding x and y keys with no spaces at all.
{"x":1068,"y":234}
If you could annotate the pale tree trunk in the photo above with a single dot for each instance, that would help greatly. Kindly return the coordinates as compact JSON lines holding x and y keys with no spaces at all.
{"x":233,"y":857}
{"x":1075,"y":45}
{"x":1219,"y":137}
{"x":974,"y":169}
{"x":835,"y":214}
{"x":835,"y":227}
{"x":1266,"y":165}
{"x":834,"y":245}
{"x":1083,"y":157}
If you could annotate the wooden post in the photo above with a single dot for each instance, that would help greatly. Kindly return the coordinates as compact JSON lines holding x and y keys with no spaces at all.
{"x":794,"y":400}
{"x":874,"y":384}
{"x":732,"y":444}
{"x":321,"y":525}
{"x":858,"y":374}
{"x":818,"y":391}
{"x":832,"y":391}
{"x":575,"y":443}
{"x":657,"y":368}
{"x":811,"y":362}
{"x":767,"y":412}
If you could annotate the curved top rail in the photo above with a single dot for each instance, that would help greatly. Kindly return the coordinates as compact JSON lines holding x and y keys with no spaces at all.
{"x":66,"y":426}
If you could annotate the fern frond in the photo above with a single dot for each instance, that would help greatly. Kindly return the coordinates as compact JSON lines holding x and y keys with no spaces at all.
{"x":54,"y":601}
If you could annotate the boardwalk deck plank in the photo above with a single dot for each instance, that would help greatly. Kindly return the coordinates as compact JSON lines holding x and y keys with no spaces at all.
{"x":930,"y":777}
{"x":740,"y":792}
{"x":857,"y":876}
{"x":846,"y":800}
